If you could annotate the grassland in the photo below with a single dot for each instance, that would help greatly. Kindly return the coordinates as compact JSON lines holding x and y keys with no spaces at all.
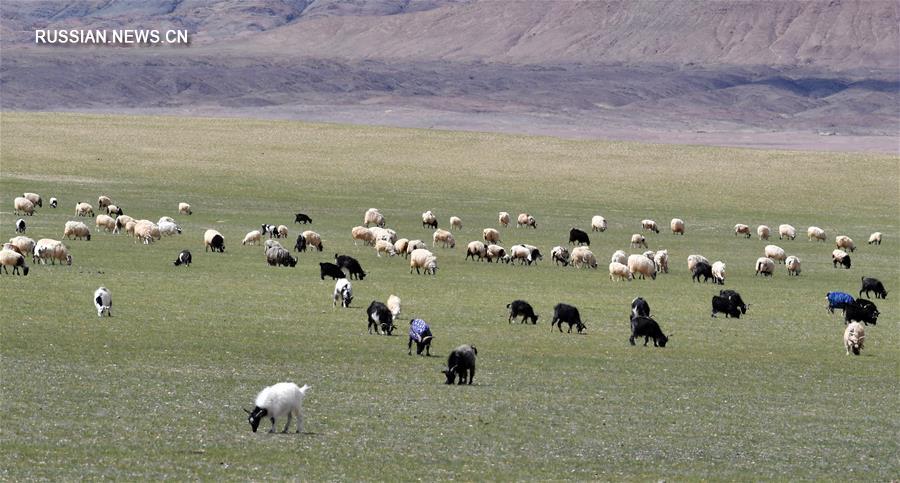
{"x":156,"y":391}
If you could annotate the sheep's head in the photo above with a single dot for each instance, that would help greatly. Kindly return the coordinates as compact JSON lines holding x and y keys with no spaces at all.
{"x":255,"y":416}
{"x":68,"y":259}
{"x":662,"y":341}
{"x":451,"y":374}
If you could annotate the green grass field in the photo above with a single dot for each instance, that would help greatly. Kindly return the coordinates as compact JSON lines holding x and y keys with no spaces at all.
{"x":157,"y":390}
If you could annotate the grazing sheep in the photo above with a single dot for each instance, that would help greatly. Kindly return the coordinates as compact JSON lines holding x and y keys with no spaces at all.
{"x":380,"y":316}
{"x":503,"y":218}
{"x":420,"y":333}
{"x":650,"y":254}
{"x":23,"y":206}
{"x":647,"y":328}
{"x":146,"y":231}
{"x":526,"y":254}
{"x":702,"y":269}
{"x":775,"y":252}
{"x":765,"y":266}
{"x":429,"y":220}
{"x":526,"y":220}
{"x":638,"y":240}
{"x":421,"y":258}
{"x":114,"y":210}
{"x":343,"y":291}
{"x":793,"y":265}
{"x":444,"y":237}
{"x":393,"y":304}
{"x":649,"y":225}
{"x":461,"y":362}
{"x":268,"y":230}
{"x":476,"y":249}
{"x":786,"y":231}
{"x":121,"y":221}
{"x":662,"y":261}
{"x":639,"y":264}
{"x":763,"y":231}
{"x":491,"y":235}
{"x":184,"y":209}
{"x":875,"y":238}
{"x":840,"y":257}
{"x":300,"y":244}
{"x":583,"y":256}
{"x":559,"y":255}
{"x":84,"y":209}
{"x":741,"y":229}
{"x":455,"y":223}
{"x":579,"y":237}
{"x":400,"y":247}
{"x":252,"y":238}
{"x":619,"y":257}
{"x":78,"y":230}
{"x":54,"y":202}
{"x":363,"y":234}
{"x":20,"y":225}
{"x":282,"y":399}
{"x":568,"y":314}
{"x":868,"y":285}
{"x":495,"y":252}
{"x":618,"y":271}
{"x":168,"y":228}
{"x":854,"y":336}
{"x":351,"y":265}
{"x":598,"y":223}
{"x":302,"y":218}
{"x":34,"y":198}
{"x":815,"y":233}
{"x":718,"y":272}
{"x":693,"y":260}
{"x":331,"y":270}
{"x":276,"y":256}
{"x":14,"y":259}
{"x":24,"y":245}
{"x":384,"y":246}
{"x":386,"y":234}
{"x":844,"y":243}
{"x":677,"y":225}
{"x":729,"y":303}
{"x":373,"y":217}
{"x":213,"y":240}
{"x":281,"y":231}
{"x":103,"y":301}
{"x":313,"y":239}
{"x":164,"y":219}
{"x":184,"y":258}
{"x":103,"y":201}
{"x":414,"y":245}
{"x":129,"y":227}
{"x":271,"y":243}
{"x":521,"y":308}
{"x":105,"y":222}
{"x":53,"y":250}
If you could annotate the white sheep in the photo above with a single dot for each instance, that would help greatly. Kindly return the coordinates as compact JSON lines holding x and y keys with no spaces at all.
{"x":428,"y":219}
{"x":84,"y":209}
{"x":875,"y":238}
{"x":503,"y":218}
{"x":765,"y":266}
{"x":638,"y":240}
{"x":54,"y":202}
{"x":854,"y":337}
{"x":693,"y":260}
{"x":113,"y":210}
{"x":400,"y":246}
{"x":103,"y":201}
{"x":775,"y":252}
{"x":14,"y":259}
{"x":421,"y":258}
{"x":649,"y":225}
{"x":20,"y":225}
{"x":373,"y":217}
{"x":168,"y":228}
{"x":363,"y":234}
{"x":742,"y":229}
{"x":662,"y":260}
{"x":393,"y":304}
{"x":639,"y":264}
{"x":444,"y":237}
{"x":619,"y":257}
{"x":841,"y":257}
{"x":598,"y":223}
{"x":384,"y":246}
{"x":252,"y":238}
{"x":582,"y":256}
{"x":343,"y":291}
{"x":526,"y":220}
{"x":281,"y":231}
{"x":49,"y":249}
{"x":121,"y":221}
{"x":815,"y":233}
{"x":214,"y":240}
{"x":146,"y":231}
{"x":276,"y":401}
{"x":560,"y":254}
{"x":163,"y":219}
{"x":129,"y":227}
{"x":491,"y":235}
{"x":677,"y":225}
{"x":103,"y":301}
{"x":414,"y":245}
{"x":496,"y":252}
{"x":105,"y":222}
{"x":786,"y":231}
{"x":844,"y":242}
{"x":763,"y":231}
{"x":476,"y":249}
{"x":455,"y":223}
{"x":793,"y":265}
{"x":650,"y":254}
{"x":313,"y":239}
{"x":619,"y":271}
{"x":78,"y":230}
{"x":718,"y":272}
{"x":24,"y":244}
{"x":184,"y":209}
{"x":381,"y":233}
{"x":34,"y":198}
{"x":23,"y":206}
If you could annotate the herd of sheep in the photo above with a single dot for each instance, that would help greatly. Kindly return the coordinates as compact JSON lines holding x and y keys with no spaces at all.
{"x":285,"y":398}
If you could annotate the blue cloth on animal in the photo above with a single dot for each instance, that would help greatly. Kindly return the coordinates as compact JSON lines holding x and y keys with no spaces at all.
{"x":839,"y":298}
{"x":418,"y":329}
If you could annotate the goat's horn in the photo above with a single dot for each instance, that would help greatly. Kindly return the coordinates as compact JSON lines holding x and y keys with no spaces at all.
{"x":246,"y":411}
